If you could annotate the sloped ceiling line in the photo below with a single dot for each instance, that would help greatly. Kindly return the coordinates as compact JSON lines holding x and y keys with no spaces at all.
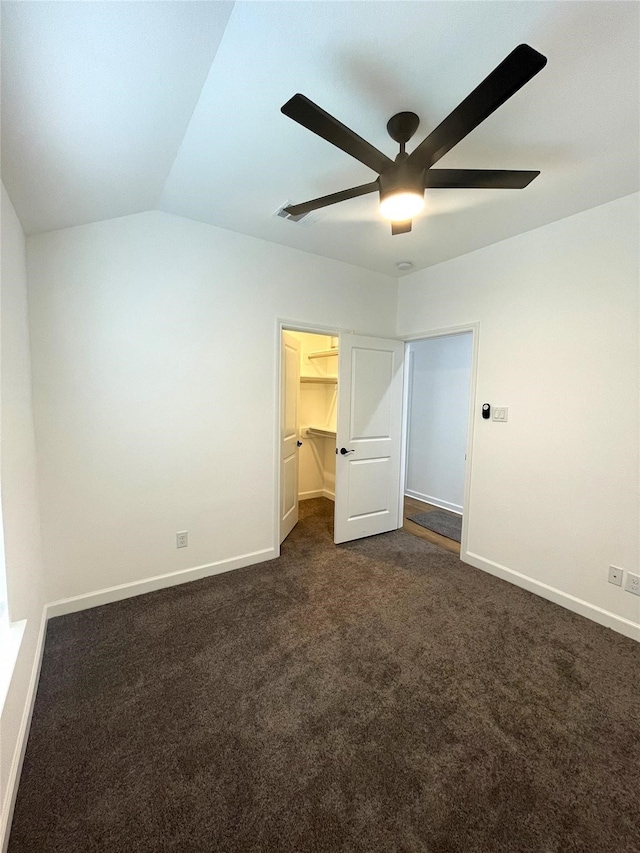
{"x":115,"y":108}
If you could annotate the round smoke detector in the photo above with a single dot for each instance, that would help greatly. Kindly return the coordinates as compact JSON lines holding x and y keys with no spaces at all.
{"x":403,"y":266}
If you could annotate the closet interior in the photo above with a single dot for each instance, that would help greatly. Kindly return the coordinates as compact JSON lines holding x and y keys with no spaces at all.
{"x":317,"y":415}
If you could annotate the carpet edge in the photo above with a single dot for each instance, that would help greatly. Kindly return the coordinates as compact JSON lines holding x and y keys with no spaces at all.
{"x":111,"y":594}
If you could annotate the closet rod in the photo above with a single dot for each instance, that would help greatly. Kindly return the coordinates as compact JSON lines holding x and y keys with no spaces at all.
{"x":323,"y":353}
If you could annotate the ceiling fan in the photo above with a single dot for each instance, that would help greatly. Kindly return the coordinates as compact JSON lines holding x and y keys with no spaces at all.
{"x":402,"y":182}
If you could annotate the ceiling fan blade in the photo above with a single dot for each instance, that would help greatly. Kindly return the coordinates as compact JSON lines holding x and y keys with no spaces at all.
{"x":325,"y":200}
{"x":487,"y":179}
{"x":315,"y":119}
{"x":401,"y":227}
{"x":518,"y":68}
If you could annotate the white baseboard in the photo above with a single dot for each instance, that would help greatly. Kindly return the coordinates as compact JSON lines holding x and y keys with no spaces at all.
{"x":129,"y":590}
{"x":312,"y":493}
{"x":570,"y":602}
{"x":23,"y":733}
{"x":317,"y":493}
{"x":429,"y":499}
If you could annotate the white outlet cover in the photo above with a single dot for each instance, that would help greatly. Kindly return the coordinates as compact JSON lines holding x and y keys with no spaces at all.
{"x":633,"y":583}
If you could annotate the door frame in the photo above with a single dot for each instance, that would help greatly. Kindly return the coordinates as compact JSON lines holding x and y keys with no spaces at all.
{"x":283,"y":325}
{"x":447,"y":331}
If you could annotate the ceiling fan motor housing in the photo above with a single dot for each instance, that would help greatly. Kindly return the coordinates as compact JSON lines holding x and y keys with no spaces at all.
{"x":401,"y":177}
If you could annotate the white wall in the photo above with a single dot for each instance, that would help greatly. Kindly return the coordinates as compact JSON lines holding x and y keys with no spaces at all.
{"x":20,"y":515}
{"x":438,"y":415}
{"x":155,"y":365}
{"x":554,"y":492}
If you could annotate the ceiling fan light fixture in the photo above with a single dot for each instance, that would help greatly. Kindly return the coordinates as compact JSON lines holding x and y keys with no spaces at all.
{"x":401,"y":205}
{"x":401,"y":182}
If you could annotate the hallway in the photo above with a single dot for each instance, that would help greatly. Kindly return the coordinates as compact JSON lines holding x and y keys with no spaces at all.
{"x":411,"y":507}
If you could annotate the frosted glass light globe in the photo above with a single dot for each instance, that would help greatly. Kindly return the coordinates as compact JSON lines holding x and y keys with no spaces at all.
{"x":401,"y":206}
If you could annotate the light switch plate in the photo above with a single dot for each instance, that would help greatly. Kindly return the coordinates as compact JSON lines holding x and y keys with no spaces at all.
{"x":500,"y":414}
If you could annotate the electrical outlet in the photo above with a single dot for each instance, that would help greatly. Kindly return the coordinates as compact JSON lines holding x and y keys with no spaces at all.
{"x":633,"y":583}
{"x":615,"y":575}
{"x":182,"y":539}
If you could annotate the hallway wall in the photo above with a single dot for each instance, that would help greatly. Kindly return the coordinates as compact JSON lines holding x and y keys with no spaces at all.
{"x":438,"y":419}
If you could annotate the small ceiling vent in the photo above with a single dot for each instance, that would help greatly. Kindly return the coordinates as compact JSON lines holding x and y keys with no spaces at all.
{"x":302,"y":218}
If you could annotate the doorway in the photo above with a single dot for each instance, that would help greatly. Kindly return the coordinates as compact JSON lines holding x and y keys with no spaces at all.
{"x":309,"y":401}
{"x":438,"y":416}
{"x":359,"y":423}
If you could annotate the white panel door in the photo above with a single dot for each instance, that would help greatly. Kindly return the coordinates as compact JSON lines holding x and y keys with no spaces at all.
{"x":369,"y":437}
{"x":289,"y":399}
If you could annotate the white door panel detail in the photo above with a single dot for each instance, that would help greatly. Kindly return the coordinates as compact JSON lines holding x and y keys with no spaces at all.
{"x":368,"y":486}
{"x":372,"y":371}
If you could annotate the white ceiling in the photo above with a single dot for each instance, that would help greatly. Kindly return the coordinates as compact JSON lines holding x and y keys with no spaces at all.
{"x":111,"y":108}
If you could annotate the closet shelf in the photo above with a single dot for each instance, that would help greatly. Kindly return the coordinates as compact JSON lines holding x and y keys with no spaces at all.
{"x":322,"y":432}
{"x":325,"y":353}
{"x":324,"y":380}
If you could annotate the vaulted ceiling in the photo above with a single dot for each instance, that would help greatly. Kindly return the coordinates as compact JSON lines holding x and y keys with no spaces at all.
{"x":112,"y":108}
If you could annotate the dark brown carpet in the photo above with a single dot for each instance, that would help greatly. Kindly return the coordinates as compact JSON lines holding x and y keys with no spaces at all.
{"x":378,"y":696}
